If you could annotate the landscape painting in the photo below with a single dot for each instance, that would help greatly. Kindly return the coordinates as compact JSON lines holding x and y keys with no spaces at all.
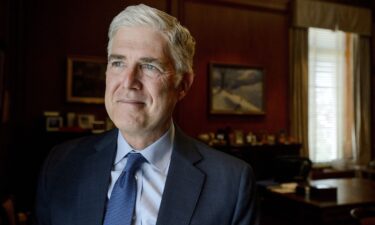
{"x":86,"y":79}
{"x":236,"y":90}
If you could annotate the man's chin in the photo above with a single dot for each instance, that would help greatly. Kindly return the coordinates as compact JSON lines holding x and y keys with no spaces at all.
{"x":130,"y":127}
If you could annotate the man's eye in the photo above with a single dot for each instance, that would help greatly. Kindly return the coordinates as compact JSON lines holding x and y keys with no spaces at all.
{"x":150,"y":67}
{"x":150,"y":70}
{"x":117,"y":64}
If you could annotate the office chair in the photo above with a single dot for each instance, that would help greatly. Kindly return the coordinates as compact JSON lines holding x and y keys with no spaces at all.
{"x":364,"y":215}
{"x":291,"y":169}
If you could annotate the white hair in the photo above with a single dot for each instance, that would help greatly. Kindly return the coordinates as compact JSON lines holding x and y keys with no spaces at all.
{"x":180,"y":42}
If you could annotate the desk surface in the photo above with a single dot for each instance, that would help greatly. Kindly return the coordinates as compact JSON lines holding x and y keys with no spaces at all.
{"x":351,"y":192}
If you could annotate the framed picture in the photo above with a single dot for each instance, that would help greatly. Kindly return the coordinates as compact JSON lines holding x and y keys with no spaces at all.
{"x":236,"y":90}
{"x":85,"y":121}
{"x":86,"y":79}
{"x":54,"y":123}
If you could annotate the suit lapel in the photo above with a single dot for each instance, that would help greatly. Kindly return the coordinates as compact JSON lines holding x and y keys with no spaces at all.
{"x":183,"y":185}
{"x":95,"y":179}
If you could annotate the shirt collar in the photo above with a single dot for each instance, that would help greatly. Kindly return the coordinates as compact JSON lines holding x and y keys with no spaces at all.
{"x":158,"y":154}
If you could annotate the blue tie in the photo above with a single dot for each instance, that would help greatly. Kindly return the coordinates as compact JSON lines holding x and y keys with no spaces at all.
{"x":122,"y":201}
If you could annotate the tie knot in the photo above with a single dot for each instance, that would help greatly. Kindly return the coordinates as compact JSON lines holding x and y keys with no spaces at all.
{"x":134,"y":161}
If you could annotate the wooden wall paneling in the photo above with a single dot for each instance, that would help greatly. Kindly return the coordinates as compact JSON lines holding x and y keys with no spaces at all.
{"x":236,"y":36}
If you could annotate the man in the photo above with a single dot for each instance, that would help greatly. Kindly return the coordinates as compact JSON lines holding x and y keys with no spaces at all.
{"x":179,"y":181}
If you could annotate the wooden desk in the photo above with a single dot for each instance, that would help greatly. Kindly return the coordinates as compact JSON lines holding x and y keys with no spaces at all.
{"x":301,"y":209}
{"x":317,"y":174}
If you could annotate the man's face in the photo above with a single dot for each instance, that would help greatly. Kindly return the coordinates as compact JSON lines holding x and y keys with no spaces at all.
{"x":140,"y":82}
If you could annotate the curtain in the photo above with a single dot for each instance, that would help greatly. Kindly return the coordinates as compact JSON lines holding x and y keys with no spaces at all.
{"x":332,"y":16}
{"x":299,"y":86}
{"x":348,"y":137}
{"x":307,"y":13}
{"x":361,"y":50}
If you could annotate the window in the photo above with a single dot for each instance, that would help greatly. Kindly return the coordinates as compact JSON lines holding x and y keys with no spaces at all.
{"x":330,"y":95}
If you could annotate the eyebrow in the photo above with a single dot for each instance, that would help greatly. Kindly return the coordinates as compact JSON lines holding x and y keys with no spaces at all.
{"x":114,"y":56}
{"x":150,"y":60}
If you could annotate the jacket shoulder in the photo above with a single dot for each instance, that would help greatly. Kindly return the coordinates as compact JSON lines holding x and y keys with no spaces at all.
{"x":78,"y":148}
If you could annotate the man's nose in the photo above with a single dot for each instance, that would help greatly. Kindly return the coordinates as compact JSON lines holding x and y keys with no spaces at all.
{"x":131,"y":78}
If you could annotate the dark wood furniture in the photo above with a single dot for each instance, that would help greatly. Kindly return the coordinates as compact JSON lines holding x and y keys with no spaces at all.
{"x":261,"y":157}
{"x":329,"y":173}
{"x":291,"y":208}
{"x":368,"y":173}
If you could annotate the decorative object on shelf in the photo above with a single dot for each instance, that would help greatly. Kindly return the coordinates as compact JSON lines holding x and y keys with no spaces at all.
{"x":53,"y":121}
{"x":236,"y":90}
{"x":271,"y":139}
{"x":98,"y":126}
{"x":222,"y":136}
{"x":86,"y":79}
{"x":204,"y":137}
{"x":238,"y":137}
{"x":85,"y":121}
{"x":71,"y":119}
{"x":282,"y":138}
{"x":263,"y":138}
{"x":209,"y":138}
{"x":251,"y":139}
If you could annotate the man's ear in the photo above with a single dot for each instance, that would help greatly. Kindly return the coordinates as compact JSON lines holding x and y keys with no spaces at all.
{"x":184,"y":85}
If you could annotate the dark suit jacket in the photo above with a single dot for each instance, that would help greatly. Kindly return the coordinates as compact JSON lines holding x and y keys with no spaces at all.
{"x":203,"y":186}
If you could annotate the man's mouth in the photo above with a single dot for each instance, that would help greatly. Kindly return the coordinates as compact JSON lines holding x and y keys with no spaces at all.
{"x":130,"y":101}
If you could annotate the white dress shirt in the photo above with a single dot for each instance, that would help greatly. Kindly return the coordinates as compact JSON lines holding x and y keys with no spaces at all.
{"x":150,"y":177}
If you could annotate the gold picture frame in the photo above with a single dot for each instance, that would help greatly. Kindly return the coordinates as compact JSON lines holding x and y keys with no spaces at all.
{"x":54,"y":123}
{"x":86,"y":79}
{"x":236,"y":89}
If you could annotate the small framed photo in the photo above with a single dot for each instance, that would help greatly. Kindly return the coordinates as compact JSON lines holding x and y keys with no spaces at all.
{"x":54,"y":123}
{"x":238,"y":137}
{"x":86,"y":79}
{"x":236,"y":89}
{"x":85,"y":121}
{"x":98,"y":126}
